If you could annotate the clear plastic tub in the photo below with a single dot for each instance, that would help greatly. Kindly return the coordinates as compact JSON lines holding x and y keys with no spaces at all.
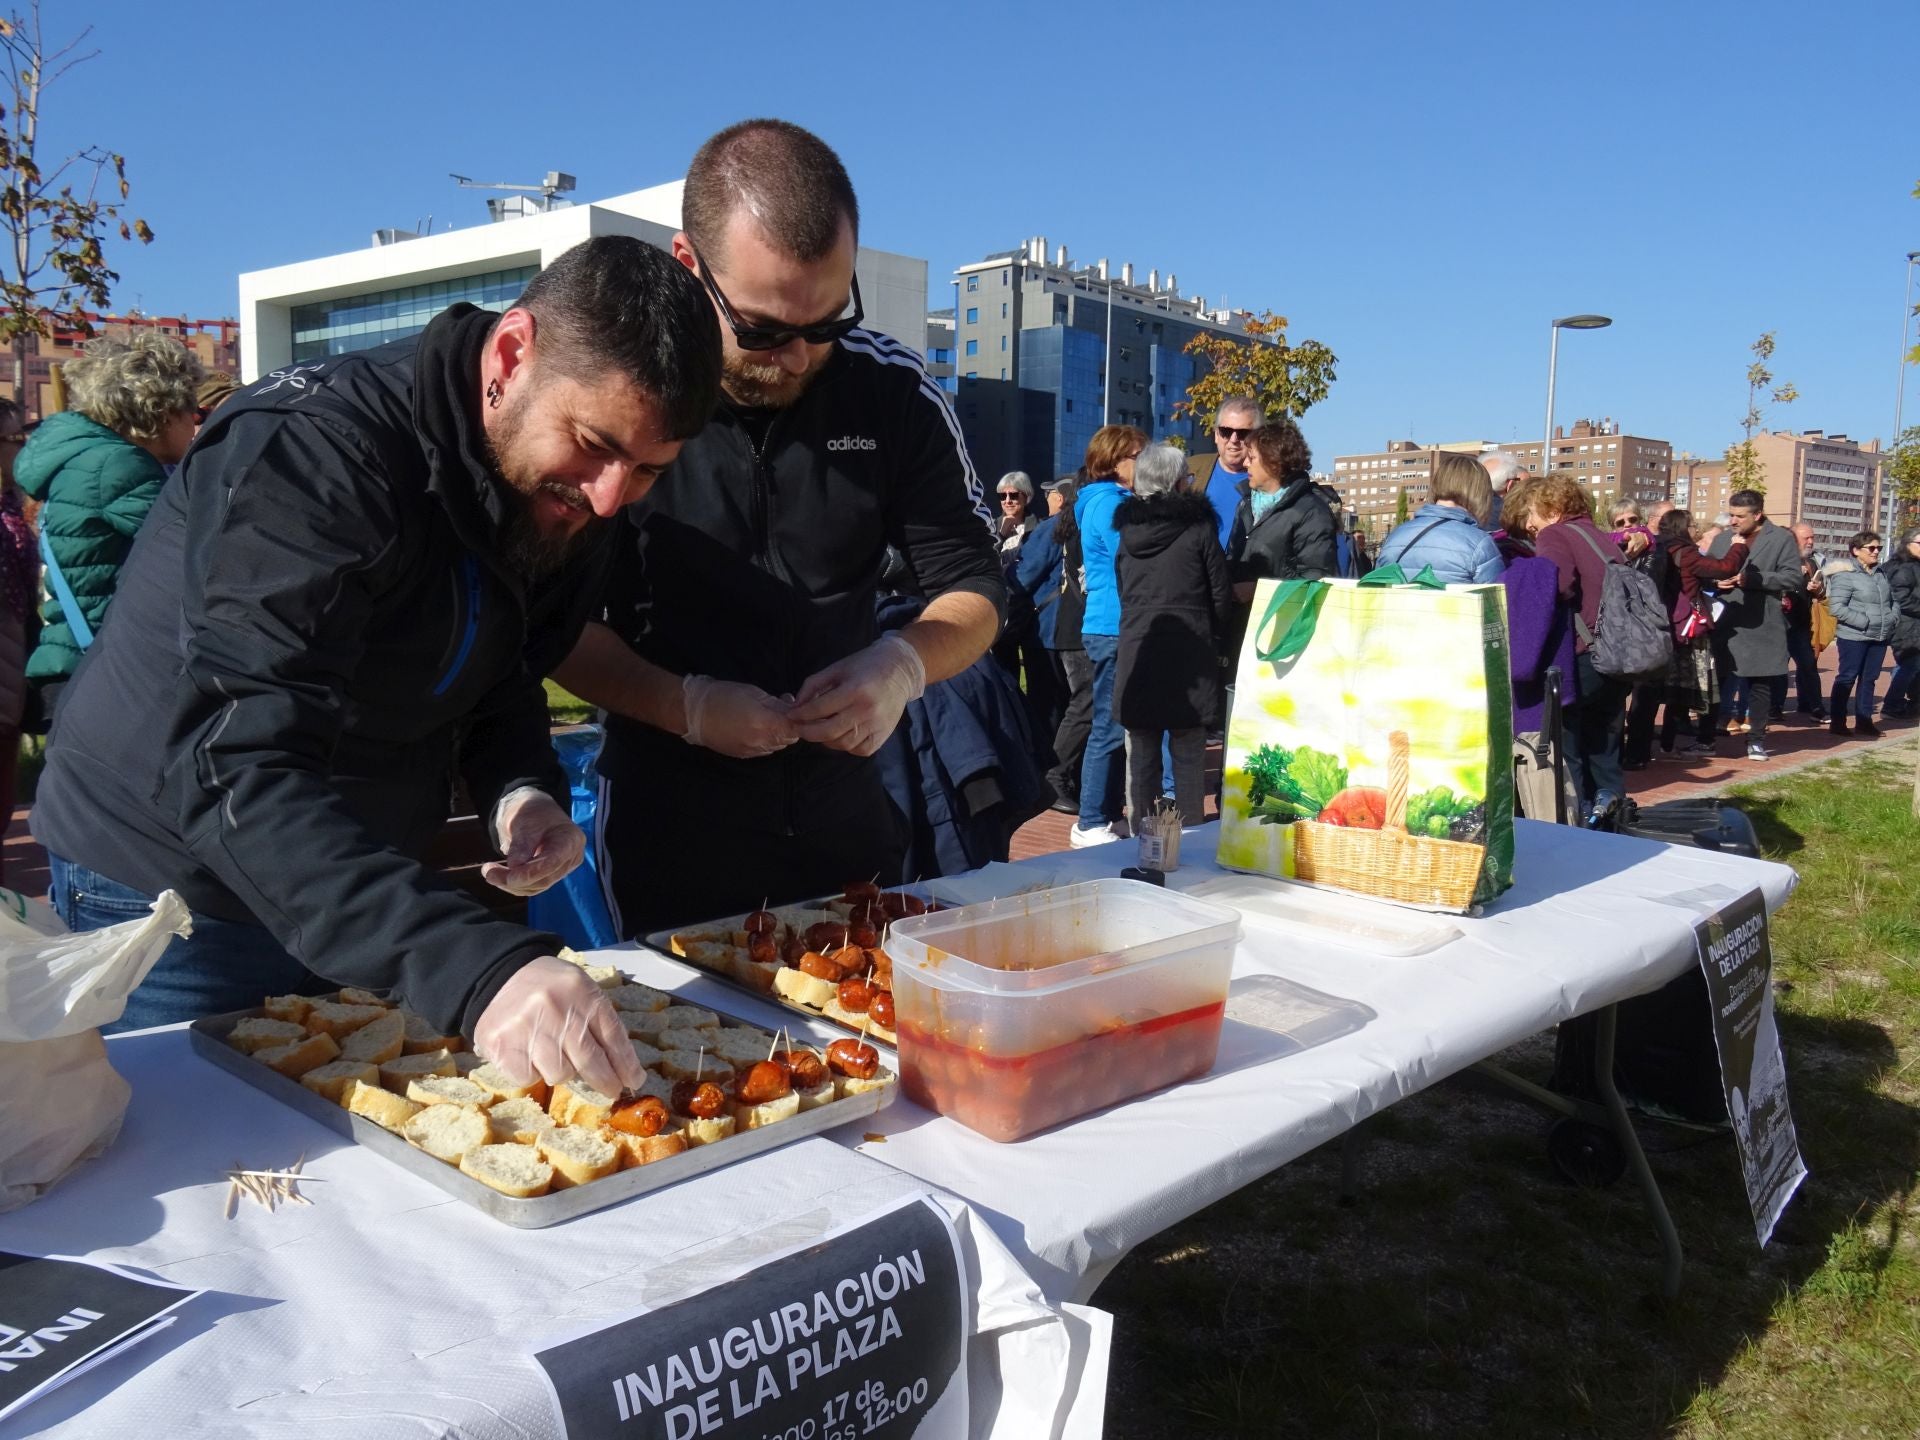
{"x":1020,"y":1013}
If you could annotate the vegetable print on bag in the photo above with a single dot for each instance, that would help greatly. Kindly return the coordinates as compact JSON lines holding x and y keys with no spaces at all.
{"x":1371,"y":742}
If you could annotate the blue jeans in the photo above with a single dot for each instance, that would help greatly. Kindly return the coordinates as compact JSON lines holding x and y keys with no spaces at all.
{"x":224,"y":965}
{"x":1860,"y":661}
{"x":1102,"y":772}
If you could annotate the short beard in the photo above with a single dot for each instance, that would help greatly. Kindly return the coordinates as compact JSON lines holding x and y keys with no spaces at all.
{"x":530,"y":551}
{"x":760,"y":386}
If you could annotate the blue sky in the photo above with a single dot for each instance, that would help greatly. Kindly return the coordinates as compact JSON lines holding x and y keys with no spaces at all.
{"x":1420,"y":186}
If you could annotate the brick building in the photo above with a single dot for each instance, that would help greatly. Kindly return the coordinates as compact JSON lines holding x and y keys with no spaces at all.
{"x":27,"y":374}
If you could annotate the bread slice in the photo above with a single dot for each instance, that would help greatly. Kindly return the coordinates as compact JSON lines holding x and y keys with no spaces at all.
{"x":705,"y":1132}
{"x":647,"y":1055}
{"x":353,"y":995}
{"x":647,"y":1026}
{"x":512,"y":1169}
{"x":577,"y":1103}
{"x":395,"y":1074}
{"x":752,"y":1117}
{"x":605,"y":976}
{"x":691,"y":1064}
{"x":377,"y":1040}
{"x":695,"y":1016}
{"x":288,"y":1007}
{"x":518,"y":1121}
{"x":423,"y":1038}
{"x":740,"y":1047}
{"x":578,"y":1155}
{"x":834,"y":1010}
{"x":296,"y":1059}
{"x":329,"y":1017}
{"x":638,"y":1150}
{"x":447,"y":1132}
{"x":448,"y":1090}
{"x":264,"y":1033}
{"x":793,"y":983}
{"x":845,"y":1085}
{"x":821,"y":1094}
{"x":383,"y":1107}
{"x":503,"y":1087}
{"x":465,"y":1062}
{"x":757,"y":975}
{"x":643,"y":999}
{"x":336,"y":1077}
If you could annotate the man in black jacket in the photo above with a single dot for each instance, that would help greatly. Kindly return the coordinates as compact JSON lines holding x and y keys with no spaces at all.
{"x":352,"y":583}
{"x":747,"y":682}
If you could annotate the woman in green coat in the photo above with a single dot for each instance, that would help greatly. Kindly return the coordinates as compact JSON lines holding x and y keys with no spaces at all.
{"x":96,"y":469}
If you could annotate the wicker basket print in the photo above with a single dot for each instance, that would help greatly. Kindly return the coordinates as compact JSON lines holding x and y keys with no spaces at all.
{"x":1389,"y":862}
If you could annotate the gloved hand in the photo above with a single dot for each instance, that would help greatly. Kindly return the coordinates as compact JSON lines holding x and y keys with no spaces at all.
{"x":540,"y":840}
{"x":729,"y":718}
{"x":551,"y":1022}
{"x":855,"y":703}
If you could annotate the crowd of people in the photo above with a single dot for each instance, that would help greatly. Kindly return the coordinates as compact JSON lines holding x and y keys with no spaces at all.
{"x":1126,"y":628}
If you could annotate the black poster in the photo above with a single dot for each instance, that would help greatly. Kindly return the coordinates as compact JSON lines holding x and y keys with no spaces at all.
{"x":1737,"y":958}
{"x":57,"y":1315}
{"x":862,"y":1333}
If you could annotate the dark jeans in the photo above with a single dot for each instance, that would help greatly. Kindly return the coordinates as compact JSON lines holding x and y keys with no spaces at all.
{"x":1860,"y":662}
{"x":1102,"y":783}
{"x":1900,"y":689}
{"x":1643,"y":713}
{"x":1765,"y":694}
{"x":1076,"y":721}
{"x":1593,"y":726}
{"x":1806,"y":667}
{"x":1030,"y":664}
{"x":224,"y":965}
{"x":1157,"y":758}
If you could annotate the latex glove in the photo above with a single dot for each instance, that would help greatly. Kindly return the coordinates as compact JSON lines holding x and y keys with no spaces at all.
{"x":551,"y":1022}
{"x":540,"y":840}
{"x":854,"y":704}
{"x":729,"y":718}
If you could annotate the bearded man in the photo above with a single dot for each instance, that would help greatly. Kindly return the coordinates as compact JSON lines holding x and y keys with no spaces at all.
{"x":746,"y":680}
{"x":344,"y":598}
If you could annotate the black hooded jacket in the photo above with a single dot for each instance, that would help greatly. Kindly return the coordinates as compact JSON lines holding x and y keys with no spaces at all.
{"x":1295,"y":540}
{"x":1175,"y":608}
{"x":313,"y":626}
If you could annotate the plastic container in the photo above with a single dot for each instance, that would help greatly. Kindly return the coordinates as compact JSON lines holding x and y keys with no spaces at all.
{"x":1020,"y":1013}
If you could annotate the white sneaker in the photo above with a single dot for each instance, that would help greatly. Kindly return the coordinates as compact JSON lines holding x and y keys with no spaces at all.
{"x":1084,"y":837}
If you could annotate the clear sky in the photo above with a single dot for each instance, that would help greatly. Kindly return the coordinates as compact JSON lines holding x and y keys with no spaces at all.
{"x":1420,"y":186}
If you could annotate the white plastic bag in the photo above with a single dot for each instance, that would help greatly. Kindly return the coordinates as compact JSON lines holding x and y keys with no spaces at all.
{"x":61,"y":1102}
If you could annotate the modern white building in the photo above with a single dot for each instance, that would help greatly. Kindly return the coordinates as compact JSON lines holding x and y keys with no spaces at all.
{"x":391,"y":289}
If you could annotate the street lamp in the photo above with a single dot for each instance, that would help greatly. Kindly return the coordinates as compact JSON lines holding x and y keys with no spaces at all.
{"x":1569,"y":322}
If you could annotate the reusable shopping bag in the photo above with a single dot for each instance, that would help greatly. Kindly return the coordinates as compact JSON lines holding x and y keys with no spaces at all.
{"x":61,"y":1102}
{"x":1371,"y":742}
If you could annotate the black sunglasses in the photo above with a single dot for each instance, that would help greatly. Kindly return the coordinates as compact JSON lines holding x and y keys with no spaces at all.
{"x":1228,"y":432}
{"x":772,"y":337}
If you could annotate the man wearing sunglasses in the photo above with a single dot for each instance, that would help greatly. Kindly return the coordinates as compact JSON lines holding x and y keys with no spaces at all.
{"x":746,"y":680}
{"x":1222,"y":477}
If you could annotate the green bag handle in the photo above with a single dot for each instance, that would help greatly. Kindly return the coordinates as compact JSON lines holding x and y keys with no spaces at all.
{"x":1294,"y":610}
{"x":1394,"y":575}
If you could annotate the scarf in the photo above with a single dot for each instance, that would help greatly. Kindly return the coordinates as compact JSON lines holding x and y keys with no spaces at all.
{"x":1264,"y":501}
{"x":19,"y":555}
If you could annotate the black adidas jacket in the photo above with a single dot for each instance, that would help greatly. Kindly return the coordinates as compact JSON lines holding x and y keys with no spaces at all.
{"x":757,"y":557}
{"x":312,"y":625}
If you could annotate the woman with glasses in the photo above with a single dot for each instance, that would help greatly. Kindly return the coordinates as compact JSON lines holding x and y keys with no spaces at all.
{"x":1861,"y":599}
{"x":96,"y":469}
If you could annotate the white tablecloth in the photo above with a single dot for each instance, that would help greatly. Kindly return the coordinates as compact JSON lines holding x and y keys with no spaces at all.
{"x":389,"y":1310}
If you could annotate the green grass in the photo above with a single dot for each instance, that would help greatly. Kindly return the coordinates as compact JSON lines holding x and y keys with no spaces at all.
{"x":565,"y":708}
{"x":1471,"y":1293}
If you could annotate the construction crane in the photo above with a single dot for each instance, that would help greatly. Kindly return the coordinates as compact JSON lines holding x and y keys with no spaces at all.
{"x":556,"y":183}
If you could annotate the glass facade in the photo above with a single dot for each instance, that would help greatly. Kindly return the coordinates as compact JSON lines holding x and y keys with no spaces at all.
{"x":360,"y":322}
{"x":1067,"y":363}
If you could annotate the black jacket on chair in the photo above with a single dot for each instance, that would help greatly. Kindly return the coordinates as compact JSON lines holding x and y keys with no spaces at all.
{"x":1175,"y":606}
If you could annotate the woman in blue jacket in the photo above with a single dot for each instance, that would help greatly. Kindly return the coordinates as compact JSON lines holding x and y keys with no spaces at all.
{"x":1445,"y":533}
{"x":1110,"y":457}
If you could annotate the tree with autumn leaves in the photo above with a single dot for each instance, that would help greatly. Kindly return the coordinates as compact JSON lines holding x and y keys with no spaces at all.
{"x":1285,"y":378}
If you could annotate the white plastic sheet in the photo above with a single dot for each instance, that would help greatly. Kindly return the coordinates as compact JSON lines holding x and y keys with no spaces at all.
{"x":60,"y":1100}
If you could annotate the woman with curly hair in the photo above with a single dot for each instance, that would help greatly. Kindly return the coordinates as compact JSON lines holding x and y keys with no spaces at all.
{"x":96,"y":470}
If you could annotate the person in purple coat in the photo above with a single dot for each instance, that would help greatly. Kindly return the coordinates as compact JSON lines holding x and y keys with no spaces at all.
{"x":1539,"y":638}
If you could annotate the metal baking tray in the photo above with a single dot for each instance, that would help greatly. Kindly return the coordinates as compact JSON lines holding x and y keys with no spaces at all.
{"x":662,"y":940}
{"x":209,"y":1037}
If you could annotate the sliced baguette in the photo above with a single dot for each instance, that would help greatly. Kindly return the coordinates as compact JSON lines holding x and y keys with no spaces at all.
{"x":741,"y":1046}
{"x":265,"y":1033}
{"x":512,"y":1169}
{"x":336,"y":1077}
{"x":647,"y":1055}
{"x":503,"y":1087}
{"x":793,"y":983}
{"x":518,"y":1121}
{"x":577,"y":1103}
{"x":395,"y":1074}
{"x":642,"y":999}
{"x":822,"y":1094}
{"x":691,"y":1064}
{"x":377,"y":1040}
{"x":696,"y":1016}
{"x":288,"y":1007}
{"x":329,"y":1017}
{"x":447,"y":1132}
{"x":705,"y":1132}
{"x":752,"y":1117}
{"x":296,"y":1059}
{"x":354,"y":995}
{"x":423,"y":1038}
{"x":465,"y":1062}
{"x":448,"y":1090}
{"x":756,"y":975}
{"x":578,"y":1155}
{"x":845,"y":1085}
{"x":834,"y":1010}
{"x":638,"y":1150}
{"x":383,"y":1107}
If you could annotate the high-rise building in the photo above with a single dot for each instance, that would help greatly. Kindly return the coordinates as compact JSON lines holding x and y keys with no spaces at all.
{"x":938,"y":353}
{"x":26,"y":375}
{"x":1701,"y":486}
{"x":1049,"y":351}
{"x":1829,"y":481}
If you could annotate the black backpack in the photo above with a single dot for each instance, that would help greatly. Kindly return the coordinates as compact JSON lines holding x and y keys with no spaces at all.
{"x":1632,"y":638}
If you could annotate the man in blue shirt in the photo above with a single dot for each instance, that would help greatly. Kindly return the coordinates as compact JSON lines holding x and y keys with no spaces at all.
{"x":1233,"y":428}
